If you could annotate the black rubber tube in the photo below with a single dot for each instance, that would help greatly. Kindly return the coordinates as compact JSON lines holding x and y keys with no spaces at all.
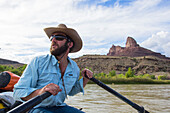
{"x":30,"y":103}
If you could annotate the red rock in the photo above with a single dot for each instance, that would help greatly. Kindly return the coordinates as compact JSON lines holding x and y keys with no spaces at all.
{"x":131,"y":42}
{"x":133,"y":49}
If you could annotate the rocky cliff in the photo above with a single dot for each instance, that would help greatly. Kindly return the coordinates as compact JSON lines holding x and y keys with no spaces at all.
{"x":133,"y":49}
{"x":141,"y":65}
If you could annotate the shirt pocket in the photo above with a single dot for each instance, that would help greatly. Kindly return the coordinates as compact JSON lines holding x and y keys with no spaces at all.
{"x":46,"y":78}
{"x":69,"y":82}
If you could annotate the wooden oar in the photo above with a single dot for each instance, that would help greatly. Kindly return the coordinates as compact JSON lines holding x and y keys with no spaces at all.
{"x":24,"y":107}
{"x":137,"y":107}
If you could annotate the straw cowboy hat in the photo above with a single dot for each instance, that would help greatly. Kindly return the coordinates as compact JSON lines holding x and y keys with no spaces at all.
{"x":69,"y":32}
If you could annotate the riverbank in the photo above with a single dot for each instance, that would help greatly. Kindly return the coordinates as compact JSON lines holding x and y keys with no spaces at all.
{"x":130,"y":81}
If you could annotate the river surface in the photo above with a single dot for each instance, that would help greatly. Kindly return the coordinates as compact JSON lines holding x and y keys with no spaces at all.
{"x":154,"y":98}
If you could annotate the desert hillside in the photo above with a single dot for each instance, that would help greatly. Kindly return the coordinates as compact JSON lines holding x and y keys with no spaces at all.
{"x":10,"y":63}
{"x":141,"y":65}
{"x":104,"y":63}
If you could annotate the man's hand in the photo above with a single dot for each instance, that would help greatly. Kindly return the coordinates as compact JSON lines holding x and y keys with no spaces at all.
{"x":89,"y":75}
{"x":54,"y":89}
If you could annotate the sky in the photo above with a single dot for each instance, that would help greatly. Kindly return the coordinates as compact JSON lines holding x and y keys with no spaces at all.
{"x":100,"y":24}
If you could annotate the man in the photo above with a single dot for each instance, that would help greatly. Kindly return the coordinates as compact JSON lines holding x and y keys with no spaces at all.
{"x":55,"y":73}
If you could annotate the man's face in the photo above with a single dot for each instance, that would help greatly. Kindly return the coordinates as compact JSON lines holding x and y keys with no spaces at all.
{"x":58,"y":47}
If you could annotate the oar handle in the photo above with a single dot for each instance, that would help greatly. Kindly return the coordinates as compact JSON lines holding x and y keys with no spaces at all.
{"x":30,"y":103}
{"x":137,"y":107}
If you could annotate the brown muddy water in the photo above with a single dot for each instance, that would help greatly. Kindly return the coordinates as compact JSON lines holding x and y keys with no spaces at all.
{"x":154,"y":98}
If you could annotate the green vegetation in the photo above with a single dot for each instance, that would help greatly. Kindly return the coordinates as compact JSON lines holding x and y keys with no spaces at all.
{"x":17,"y":71}
{"x":129,"y":73}
{"x":112,"y":73}
{"x":111,"y":78}
{"x":130,"y":78}
{"x":162,"y":77}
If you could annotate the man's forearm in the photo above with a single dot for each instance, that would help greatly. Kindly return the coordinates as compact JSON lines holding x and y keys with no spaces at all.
{"x":85,"y":81}
{"x":88,"y":73}
{"x":33,"y":94}
{"x":52,"y":88}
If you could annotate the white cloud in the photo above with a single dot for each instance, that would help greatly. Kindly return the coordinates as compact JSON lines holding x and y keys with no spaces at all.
{"x":89,"y":52}
{"x":22,"y":23}
{"x":159,"y":42}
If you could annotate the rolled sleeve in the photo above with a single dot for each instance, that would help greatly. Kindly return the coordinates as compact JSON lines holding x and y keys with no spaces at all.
{"x":22,"y":93}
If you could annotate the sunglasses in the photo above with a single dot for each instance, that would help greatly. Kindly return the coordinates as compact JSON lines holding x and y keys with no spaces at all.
{"x":58,"y":37}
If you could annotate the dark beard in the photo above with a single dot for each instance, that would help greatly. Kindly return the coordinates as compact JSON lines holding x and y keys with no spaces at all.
{"x":59,"y":51}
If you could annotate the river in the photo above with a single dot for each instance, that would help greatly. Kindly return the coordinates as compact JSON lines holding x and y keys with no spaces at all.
{"x":154,"y":98}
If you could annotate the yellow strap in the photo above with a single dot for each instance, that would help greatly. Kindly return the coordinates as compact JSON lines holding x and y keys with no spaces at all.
{"x":1,"y":106}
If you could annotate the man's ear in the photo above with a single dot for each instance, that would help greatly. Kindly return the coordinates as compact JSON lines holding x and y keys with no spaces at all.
{"x":70,"y":44}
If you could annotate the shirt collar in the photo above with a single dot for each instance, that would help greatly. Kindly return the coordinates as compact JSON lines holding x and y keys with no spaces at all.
{"x":55,"y":61}
{"x":69,"y":59}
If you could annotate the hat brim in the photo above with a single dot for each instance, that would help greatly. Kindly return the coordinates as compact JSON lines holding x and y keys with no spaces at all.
{"x":69,"y":32}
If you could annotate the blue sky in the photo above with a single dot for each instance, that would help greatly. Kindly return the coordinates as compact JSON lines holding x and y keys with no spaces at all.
{"x":100,"y":23}
{"x":107,"y":3}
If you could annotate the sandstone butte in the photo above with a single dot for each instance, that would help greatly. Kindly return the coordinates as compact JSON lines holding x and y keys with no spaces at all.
{"x":133,"y":49}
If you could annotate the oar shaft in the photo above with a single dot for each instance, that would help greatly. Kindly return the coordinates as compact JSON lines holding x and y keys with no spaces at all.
{"x":137,"y":107}
{"x":23,"y":108}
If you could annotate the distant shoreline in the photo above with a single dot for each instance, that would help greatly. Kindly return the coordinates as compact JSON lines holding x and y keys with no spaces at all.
{"x":130,"y":81}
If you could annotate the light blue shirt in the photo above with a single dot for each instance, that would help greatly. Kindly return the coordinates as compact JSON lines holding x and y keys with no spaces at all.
{"x":43,"y":70}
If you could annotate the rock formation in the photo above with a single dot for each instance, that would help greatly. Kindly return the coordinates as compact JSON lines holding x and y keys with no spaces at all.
{"x":132,"y":49}
{"x":131,"y":42}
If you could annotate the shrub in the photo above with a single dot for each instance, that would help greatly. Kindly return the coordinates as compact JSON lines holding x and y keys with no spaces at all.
{"x":129,"y":73}
{"x":112,"y":73}
{"x":23,"y":67}
{"x":95,"y":75}
{"x":1,"y":68}
{"x":162,"y":77}
{"x":17,"y":71}
{"x":134,"y":59}
{"x":120,"y":76}
{"x":149,"y":76}
{"x":102,"y":74}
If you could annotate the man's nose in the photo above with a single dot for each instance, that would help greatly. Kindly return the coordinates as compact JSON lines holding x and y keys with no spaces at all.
{"x":54,"y":40}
